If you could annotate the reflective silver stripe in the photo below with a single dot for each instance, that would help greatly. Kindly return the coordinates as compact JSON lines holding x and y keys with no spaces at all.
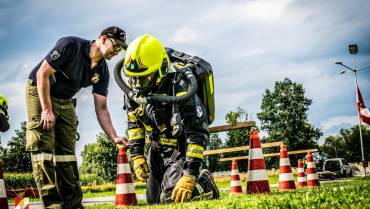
{"x":199,"y":188}
{"x":2,"y":189}
{"x":195,"y":151}
{"x":65,"y":158}
{"x":41,"y":157}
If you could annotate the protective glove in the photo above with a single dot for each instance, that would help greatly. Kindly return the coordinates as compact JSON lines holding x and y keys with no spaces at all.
{"x":184,"y":188}
{"x":140,"y":167}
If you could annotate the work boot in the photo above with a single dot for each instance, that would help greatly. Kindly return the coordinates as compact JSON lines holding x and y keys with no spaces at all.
{"x":206,"y":181}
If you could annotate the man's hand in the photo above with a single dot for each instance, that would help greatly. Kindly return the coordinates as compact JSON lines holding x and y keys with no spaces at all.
{"x":47,"y":119}
{"x":140,"y":167}
{"x":120,"y":141}
{"x":183,"y":189}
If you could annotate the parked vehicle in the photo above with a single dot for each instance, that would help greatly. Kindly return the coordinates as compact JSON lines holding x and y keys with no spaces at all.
{"x":318,"y":159}
{"x":339,"y":166}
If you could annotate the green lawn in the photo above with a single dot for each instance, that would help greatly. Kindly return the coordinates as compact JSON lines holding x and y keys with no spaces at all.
{"x":352,"y":194}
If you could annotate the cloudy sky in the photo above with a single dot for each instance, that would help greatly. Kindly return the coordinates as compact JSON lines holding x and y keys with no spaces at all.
{"x":250,"y":44}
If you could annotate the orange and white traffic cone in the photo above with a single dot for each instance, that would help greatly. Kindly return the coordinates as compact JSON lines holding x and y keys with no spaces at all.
{"x":21,"y":203}
{"x":286,"y":179}
{"x":125,"y":190}
{"x":235,"y":187}
{"x":257,"y":181}
{"x":3,"y":197}
{"x":312,"y":179}
{"x":301,"y":175}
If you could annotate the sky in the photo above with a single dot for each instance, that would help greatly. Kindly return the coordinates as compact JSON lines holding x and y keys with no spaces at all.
{"x":250,"y":45}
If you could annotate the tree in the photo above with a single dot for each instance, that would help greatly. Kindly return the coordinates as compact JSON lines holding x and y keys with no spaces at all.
{"x":16,"y":159}
{"x":347,"y":144}
{"x":213,"y":161}
{"x":284,"y":117}
{"x":238,"y":137}
{"x":100,"y":158}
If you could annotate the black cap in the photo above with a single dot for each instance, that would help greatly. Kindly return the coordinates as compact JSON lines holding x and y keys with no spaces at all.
{"x":117,"y":34}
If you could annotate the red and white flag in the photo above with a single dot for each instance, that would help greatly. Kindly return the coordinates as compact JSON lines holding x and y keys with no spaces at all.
{"x":364,"y":112}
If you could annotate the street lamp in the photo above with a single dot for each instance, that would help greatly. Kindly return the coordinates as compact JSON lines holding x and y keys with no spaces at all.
{"x":353,"y":49}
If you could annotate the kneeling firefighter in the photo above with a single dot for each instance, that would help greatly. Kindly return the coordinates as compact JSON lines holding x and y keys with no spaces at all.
{"x":163,"y":106}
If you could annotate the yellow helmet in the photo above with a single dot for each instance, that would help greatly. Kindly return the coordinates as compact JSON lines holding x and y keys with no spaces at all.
{"x":145,"y":55}
{"x":3,"y":101}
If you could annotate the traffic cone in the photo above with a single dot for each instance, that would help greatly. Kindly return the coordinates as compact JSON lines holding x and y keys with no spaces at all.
{"x":257,"y":181}
{"x":301,"y":175}
{"x":21,"y":203}
{"x":312,"y":179}
{"x":286,"y":179}
{"x":3,"y":198}
{"x":125,"y":190}
{"x":235,"y":186}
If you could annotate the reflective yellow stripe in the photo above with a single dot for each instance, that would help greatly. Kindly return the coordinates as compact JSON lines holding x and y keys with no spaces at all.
{"x":65,"y":158}
{"x":210,"y":78}
{"x":181,"y":93}
{"x":41,"y":157}
{"x":135,"y":134}
{"x":168,"y":142}
{"x":193,"y":154}
{"x":195,"y":147}
{"x":195,"y":150}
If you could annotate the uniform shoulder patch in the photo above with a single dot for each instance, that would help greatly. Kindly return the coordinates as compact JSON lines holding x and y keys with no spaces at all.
{"x":95,"y":78}
{"x":55,"y":55}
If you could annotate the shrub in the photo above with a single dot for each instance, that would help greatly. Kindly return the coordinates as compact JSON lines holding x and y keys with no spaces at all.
{"x":19,"y":180}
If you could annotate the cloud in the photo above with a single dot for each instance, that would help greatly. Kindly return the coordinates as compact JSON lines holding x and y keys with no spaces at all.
{"x":338,"y":121}
{"x":250,"y":44}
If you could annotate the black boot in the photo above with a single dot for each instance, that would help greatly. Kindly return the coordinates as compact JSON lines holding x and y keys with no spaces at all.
{"x":205,"y":187}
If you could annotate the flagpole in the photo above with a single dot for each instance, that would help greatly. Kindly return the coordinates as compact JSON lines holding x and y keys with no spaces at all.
{"x":358,"y":113}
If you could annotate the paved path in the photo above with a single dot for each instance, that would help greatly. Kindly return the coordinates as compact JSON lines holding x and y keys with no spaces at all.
{"x":86,"y":201}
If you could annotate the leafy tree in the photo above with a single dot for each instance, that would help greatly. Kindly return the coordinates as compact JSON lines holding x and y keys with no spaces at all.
{"x":16,"y":159}
{"x":238,"y":137}
{"x":100,"y":158}
{"x":347,"y":144}
{"x":284,"y":117}
{"x":213,"y":161}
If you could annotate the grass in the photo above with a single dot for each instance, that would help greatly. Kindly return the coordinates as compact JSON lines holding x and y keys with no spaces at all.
{"x":352,"y":194}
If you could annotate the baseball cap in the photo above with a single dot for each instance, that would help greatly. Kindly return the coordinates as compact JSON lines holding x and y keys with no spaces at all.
{"x":117,"y":34}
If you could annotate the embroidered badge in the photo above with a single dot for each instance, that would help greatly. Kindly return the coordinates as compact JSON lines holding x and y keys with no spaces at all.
{"x":55,"y":55}
{"x":199,"y":111}
{"x":95,"y":78}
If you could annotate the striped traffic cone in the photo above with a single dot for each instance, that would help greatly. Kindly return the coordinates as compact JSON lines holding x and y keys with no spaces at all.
{"x":21,"y":203}
{"x":286,"y":179}
{"x":301,"y":175}
{"x":312,"y":179}
{"x":3,"y":198}
{"x":125,"y":190}
{"x":235,"y":187}
{"x":257,"y":181}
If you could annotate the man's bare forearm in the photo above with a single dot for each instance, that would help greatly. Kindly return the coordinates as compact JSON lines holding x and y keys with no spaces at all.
{"x":43,"y":89}
{"x":106,"y":123}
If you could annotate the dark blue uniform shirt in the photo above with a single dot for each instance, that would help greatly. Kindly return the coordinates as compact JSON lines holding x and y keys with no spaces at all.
{"x":70,"y":58}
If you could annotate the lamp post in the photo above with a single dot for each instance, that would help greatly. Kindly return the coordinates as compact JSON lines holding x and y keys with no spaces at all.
{"x":353,"y":50}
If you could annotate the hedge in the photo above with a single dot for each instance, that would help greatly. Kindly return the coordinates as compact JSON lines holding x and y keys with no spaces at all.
{"x":26,"y":180}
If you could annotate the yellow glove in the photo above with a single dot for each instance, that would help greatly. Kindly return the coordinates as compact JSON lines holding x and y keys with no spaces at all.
{"x":183,"y":189}
{"x":140,"y":167}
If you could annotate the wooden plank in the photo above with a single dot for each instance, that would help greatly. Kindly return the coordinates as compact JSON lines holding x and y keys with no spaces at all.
{"x":240,"y":125}
{"x":269,"y":155}
{"x":237,"y":149}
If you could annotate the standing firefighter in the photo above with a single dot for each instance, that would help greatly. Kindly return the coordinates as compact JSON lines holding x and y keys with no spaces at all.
{"x":4,"y":117}
{"x":164,"y":106}
{"x":73,"y":63}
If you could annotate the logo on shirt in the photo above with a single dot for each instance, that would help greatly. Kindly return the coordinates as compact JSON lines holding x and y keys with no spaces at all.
{"x":55,"y":55}
{"x":95,"y":78}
